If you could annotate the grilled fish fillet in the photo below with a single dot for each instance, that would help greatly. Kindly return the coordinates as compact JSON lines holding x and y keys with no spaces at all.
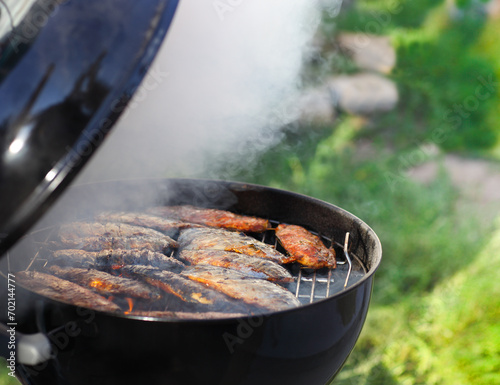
{"x":193,"y":293}
{"x":106,"y":284}
{"x":94,"y":236}
{"x":106,"y":259}
{"x":115,"y":243}
{"x":213,"y":218}
{"x":167,"y":226}
{"x":64,"y":291}
{"x":252,"y":266}
{"x":219,"y":239}
{"x":77,"y":230}
{"x":305,"y":247}
{"x":257,"y":292}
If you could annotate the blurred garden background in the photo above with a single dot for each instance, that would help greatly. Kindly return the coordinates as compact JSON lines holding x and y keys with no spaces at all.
{"x":422,"y":170}
{"x":420,"y":163}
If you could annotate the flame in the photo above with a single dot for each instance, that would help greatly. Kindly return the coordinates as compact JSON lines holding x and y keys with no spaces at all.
{"x":100,"y":285}
{"x":130,"y":305}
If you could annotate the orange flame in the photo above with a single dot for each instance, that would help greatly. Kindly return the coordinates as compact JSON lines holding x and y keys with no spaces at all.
{"x":100,"y":285}
{"x":130,"y":305}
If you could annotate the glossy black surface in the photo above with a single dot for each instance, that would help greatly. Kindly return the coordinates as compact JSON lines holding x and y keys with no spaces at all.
{"x":306,"y":345}
{"x":67,"y":70}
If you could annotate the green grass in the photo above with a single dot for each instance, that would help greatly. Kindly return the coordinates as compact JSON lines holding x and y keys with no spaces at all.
{"x":382,"y":16}
{"x":487,"y":47}
{"x":440,"y":82}
{"x":448,"y":336}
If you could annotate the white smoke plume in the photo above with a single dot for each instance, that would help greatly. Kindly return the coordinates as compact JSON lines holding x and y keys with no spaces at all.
{"x":218,"y":91}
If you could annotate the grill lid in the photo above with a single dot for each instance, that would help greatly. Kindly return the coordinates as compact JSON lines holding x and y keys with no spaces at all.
{"x":67,"y":70}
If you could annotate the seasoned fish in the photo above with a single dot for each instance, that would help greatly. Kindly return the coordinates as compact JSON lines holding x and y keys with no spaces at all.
{"x":219,"y":239}
{"x":186,"y":315}
{"x":186,"y":290}
{"x":77,"y":230}
{"x":213,"y":218}
{"x":106,"y":259}
{"x":115,"y":243}
{"x":166,"y":226}
{"x":257,"y":292}
{"x":64,"y":291}
{"x":106,"y":284}
{"x":305,"y":247}
{"x":252,"y":266}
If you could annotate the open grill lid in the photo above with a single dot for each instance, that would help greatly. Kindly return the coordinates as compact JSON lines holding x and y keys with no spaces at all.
{"x":67,"y":70}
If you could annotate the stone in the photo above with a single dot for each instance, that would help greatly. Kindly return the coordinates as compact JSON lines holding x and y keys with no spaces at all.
{"x":363,"y":93}
{"x":477,"y":181}
{"x":369,"y":52}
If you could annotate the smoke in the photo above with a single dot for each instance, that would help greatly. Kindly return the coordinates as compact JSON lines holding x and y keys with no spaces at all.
{"x":220,"y":88}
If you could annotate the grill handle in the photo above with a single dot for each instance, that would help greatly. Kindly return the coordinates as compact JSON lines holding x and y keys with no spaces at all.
{"x":28,"y":349}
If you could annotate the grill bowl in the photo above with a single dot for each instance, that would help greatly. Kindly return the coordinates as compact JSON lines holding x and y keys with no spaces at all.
{"x":308,"y":344}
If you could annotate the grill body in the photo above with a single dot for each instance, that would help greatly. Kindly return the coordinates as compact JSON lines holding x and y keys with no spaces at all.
{"x":308,"y":344}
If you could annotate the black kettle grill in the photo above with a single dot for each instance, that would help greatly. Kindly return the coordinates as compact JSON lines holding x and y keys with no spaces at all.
{"x":67,"y":70}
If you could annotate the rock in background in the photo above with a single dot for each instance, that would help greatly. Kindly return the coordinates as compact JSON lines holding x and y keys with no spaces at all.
{"x":364,"y":93}
{"x":368,"y":91}
{"x":369,"y":52}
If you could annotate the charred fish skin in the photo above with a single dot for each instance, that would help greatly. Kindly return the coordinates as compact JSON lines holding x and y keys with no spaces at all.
{"x":219,"y":239}
{"x":166,"y":226}
{"x":107,"y":259}
{"x":64,"y":291}
{"x":251,"y":266}
{"x":75,"y":258}
{"x":305,"y":247}
{"x":75,"y":230}
{"x":164,"y":244}
{"x":213,"y":218}
{"x":257,"y":292}
{"x":106,"y":284}
{"x":75,"y":233}
{"x":199,"y":297}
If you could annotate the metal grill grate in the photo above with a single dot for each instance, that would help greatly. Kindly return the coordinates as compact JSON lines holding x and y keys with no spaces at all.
{"x":311,"y":285}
